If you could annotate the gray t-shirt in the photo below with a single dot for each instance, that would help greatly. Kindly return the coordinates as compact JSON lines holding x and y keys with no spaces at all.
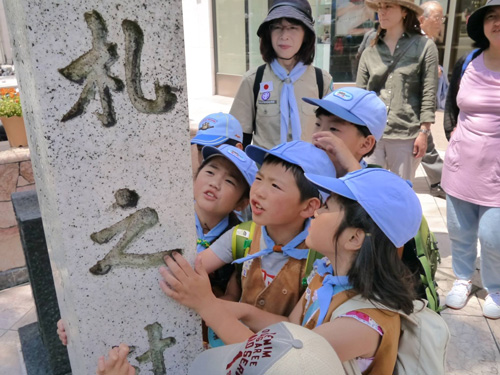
{"x":271,"y":264}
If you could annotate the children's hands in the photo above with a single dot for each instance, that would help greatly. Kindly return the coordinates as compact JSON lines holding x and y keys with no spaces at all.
{"x":117,"y":363}
{"x":61,"y":332}
{"x":190,"y":287}
{"x":337,"y":150}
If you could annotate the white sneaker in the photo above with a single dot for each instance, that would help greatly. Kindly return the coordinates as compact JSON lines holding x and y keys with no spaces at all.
{"x":491,"y":308}
{"x":457,"y":297}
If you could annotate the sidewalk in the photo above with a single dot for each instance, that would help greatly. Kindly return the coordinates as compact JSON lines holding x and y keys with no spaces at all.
{"x":475,"y":341}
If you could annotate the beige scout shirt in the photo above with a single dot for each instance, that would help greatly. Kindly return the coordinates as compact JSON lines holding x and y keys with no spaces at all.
{"x":267,"y":132}
{"x":409,"y":92}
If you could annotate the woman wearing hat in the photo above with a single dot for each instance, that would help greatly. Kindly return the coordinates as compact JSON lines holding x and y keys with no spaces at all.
{"x":471,"y":173}
{"x":287,"y":45}
{"x":401,"y":65}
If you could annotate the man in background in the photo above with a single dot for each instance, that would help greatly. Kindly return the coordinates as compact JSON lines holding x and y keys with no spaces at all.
{"x":431,"y":22}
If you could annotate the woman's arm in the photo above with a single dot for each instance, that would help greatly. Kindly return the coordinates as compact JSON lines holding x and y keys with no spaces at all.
{"x":243,"y":107}
{"x":451,"y":109}
{"x":429,"y":75}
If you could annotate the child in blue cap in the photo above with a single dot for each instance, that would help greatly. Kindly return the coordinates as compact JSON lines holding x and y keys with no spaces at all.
{"x":217,"y":129}
{"x":349,"y":122}
{"x":369,"y":213}
{"x":282,"y":202}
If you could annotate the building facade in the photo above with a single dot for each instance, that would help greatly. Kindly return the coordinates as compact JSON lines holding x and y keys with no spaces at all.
{"x":222,"y":44}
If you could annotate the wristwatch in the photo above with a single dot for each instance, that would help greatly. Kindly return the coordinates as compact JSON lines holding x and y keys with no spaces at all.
{"x":425,"y":131}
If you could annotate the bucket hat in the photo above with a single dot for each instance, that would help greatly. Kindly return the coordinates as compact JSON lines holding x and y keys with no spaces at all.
{"x":475,"y":27}
{"x":358,"y":106}
{"x":410,"y":4}
{"x":282,"y":348}
{"x":299,"y":10}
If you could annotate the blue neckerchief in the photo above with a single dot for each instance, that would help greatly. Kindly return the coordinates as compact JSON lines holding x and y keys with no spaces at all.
{"x":204,"y":240}
{"x":321,"y":267}
{"x":331,"y":286}
{"x":289,"y":249}
{"x":288,"y":103}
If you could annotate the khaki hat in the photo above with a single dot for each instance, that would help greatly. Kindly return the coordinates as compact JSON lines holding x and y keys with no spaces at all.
{"x":410,"y":4}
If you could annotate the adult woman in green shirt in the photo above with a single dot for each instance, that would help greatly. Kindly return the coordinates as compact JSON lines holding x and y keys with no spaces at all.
{"x":401,"y":65}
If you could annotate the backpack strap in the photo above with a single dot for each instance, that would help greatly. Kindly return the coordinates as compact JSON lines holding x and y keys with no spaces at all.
{"x":311,"y":258}
{"x":242,"y":238}
{"x":471,"y":56}
{"x":256,"y":88}
{"x":319,"y":81}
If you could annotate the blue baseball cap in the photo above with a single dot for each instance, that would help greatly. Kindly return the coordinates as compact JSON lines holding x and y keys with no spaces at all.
{"x":304,"y":154}
{"x":387,"y":198}
{"x":245,"y":165}
{"x":217,"y":128}
{"x":359,"y":106}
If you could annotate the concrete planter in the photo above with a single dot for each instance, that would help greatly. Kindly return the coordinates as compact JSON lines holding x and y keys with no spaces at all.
{"x":16,"y":132}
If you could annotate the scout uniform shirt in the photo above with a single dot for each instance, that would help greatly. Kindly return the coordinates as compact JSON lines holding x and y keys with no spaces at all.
{"x":272,"y":282}
{"x":267,"y":119}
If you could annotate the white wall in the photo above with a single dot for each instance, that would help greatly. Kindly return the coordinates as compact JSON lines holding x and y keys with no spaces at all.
{"x":199,"y":47}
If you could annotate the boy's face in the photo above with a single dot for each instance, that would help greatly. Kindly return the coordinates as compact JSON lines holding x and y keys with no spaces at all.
{"x":219,"y":187}
{"x":275,"y":196}
{"x":343,"y":129}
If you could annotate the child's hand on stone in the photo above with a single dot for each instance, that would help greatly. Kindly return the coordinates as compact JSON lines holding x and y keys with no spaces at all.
{"x":190,"y":287}
{"x":117,"y":363}
{"x":61,"y":332}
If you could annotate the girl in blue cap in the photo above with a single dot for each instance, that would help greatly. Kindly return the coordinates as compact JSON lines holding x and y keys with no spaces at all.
{"x":267,"y":103}
{"x":368,"y":215}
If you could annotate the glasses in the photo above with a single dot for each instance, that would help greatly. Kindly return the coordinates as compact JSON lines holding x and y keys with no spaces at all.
{"x":438,"y":19}
{"x":280,"y":29}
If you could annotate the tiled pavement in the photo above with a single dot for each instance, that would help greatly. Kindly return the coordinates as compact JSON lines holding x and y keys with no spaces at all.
{"x":475,"y":341}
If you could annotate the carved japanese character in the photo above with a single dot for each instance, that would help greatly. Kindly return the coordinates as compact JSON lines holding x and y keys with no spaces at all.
{"x":92,"y":71}
{"x":157,"y":346}
{"x":165,"y":98}
{"x":133,"y":226}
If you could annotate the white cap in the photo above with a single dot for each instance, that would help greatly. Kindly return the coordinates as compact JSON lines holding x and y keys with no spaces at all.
{"x":283,"y":348}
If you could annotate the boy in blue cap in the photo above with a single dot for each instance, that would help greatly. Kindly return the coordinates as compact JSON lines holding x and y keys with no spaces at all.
{"x":282,"y":202}
{"x":349,"y":122}
{"x":217,"y":129}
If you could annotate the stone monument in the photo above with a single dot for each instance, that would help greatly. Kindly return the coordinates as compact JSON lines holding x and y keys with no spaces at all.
{"x":104,"y":99}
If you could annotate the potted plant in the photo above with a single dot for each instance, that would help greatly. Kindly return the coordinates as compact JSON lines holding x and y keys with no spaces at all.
{"x":11,"y":115}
